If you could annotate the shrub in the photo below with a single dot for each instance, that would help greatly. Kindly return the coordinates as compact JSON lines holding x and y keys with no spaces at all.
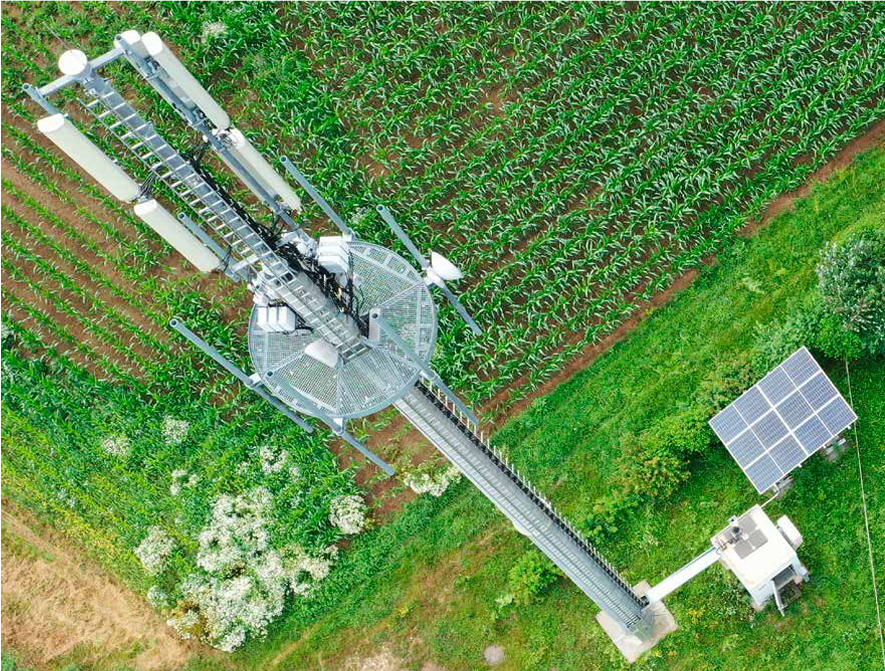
{"x":117,"y":445}
{"x":175,"y":430}
{"x":851,"y":279}
{"x":836,"y":341}
{"x":778,"y":340}
{"x":433,"y":483}
{"x":154,"y":550}
{"x":348,"y":513}
{"x":529,"y":576}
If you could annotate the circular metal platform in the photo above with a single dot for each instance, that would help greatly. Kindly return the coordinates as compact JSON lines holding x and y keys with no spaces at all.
{"x":367,"y":382}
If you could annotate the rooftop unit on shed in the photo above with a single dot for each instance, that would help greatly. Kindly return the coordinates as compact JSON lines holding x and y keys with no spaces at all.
{"x":341,"y":328}
{"x":763,"y":556}
{"x":759,"y":552}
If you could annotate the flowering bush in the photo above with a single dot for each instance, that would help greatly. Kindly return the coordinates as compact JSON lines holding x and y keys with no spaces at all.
{"x":180,"y":480}
{"x":245,"y":581}
{"x":154,"y":550}
{"x":348,"y":513}
{"x":232,"y":608}
{"x":175,"y":430}
{"x":237,"y":532}
{"x":158,"y":598}
{"x":300,"y":566}
{"x":433,"y":484}
{"x":851,"y":278}
{"x":184,"y":623}
{"x":117,"y":445}
{"x":273,"y":460}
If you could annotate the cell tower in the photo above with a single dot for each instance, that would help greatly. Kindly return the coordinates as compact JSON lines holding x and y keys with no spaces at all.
{"x":341,"y":328}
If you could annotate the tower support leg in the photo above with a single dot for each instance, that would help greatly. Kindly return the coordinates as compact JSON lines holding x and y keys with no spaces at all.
{"x":658,"y":622}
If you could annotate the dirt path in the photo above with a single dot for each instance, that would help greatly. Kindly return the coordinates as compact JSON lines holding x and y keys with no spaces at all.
{"x":55,"y":603}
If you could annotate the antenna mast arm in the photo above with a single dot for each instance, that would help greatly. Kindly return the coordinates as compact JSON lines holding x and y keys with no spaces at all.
{"x":337,"y":426}
{"x":234,"y":370}
{"x":315,"y":195}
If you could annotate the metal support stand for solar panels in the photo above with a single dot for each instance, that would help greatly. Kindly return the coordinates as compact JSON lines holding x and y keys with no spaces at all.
{"x":321,"y":354}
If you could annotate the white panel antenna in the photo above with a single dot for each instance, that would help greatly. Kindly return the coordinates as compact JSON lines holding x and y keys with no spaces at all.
{"x":173,"y":231}
{"x":269,"y":178}
{"x":82,"y":151}
{"x":183,"y":82}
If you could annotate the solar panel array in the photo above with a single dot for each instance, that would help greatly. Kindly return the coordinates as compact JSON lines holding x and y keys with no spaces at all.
{"x":782,"y":420}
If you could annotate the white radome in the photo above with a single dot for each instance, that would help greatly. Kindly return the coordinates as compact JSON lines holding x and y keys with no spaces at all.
{"x":444,"y":268}
{"x":73,"y":62}
{"x":322,"y":351}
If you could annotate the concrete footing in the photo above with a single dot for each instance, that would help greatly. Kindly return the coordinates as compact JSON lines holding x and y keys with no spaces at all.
{"x":630,"y":645}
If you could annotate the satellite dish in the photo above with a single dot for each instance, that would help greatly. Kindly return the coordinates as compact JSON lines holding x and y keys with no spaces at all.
{"x":322,"y":351}
{"x":444,"y":268}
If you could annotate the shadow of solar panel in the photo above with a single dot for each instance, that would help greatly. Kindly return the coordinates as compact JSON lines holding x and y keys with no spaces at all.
{"x":787,"y":454}
{"x":751,"y":404}
{"x":800,"y":366}
{"x":812,"y":435}
{"x":763,"y":473}
{"x":837,"y":416}
{"x":794,"y":409}
{"x":728,"y":424}
{"x":818,"y":391}
{"x":770,"y":429}
{"x":776,"y":385}
{"x":745,"y":448}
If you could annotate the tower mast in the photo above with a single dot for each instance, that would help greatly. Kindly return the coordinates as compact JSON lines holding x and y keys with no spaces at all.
{"x":341,"y":328}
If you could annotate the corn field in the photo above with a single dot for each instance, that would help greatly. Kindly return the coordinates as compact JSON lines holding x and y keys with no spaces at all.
{"x":572,"y":159}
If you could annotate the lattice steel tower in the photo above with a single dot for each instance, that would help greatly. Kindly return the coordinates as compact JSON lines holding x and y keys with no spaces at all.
{"x":341,"y":328}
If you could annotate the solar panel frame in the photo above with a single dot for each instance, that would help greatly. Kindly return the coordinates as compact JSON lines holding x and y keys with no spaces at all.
{"x":778,"y":423}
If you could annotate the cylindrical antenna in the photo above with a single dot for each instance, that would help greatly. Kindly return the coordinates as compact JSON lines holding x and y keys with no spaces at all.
{"x":173,"y":231}
{"x":262,"y":171}
{"x":82,"y":151}
{"x":184,"y":80}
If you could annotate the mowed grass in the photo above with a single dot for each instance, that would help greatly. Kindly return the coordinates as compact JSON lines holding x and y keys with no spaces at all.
{"x":441,"y":565}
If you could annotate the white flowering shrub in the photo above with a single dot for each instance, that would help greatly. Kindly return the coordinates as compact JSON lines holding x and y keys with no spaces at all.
{"x":305,"y":571}
{"x":245,"y":581}
{"x":154,"y":550}
{"x":212,"y":29}
{"x":184,"y":624}
{"x":232,"y":608}
{"x":273,"y":460}
{"x":236,"y":533}
{"x":433,"y":484}
{"x":158,"y":598}
{"x":181,"y":480}
{"x":348,"y":513}
{"x":175,"y":430}
{"x":117,"y":445}
{"x":67,"y":498}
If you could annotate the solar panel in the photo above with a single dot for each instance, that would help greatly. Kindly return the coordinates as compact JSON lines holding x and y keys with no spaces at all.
{"x":774,"y":426}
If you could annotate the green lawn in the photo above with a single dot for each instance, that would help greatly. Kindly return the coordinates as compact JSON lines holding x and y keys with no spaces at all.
{"x":425,"y":585}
